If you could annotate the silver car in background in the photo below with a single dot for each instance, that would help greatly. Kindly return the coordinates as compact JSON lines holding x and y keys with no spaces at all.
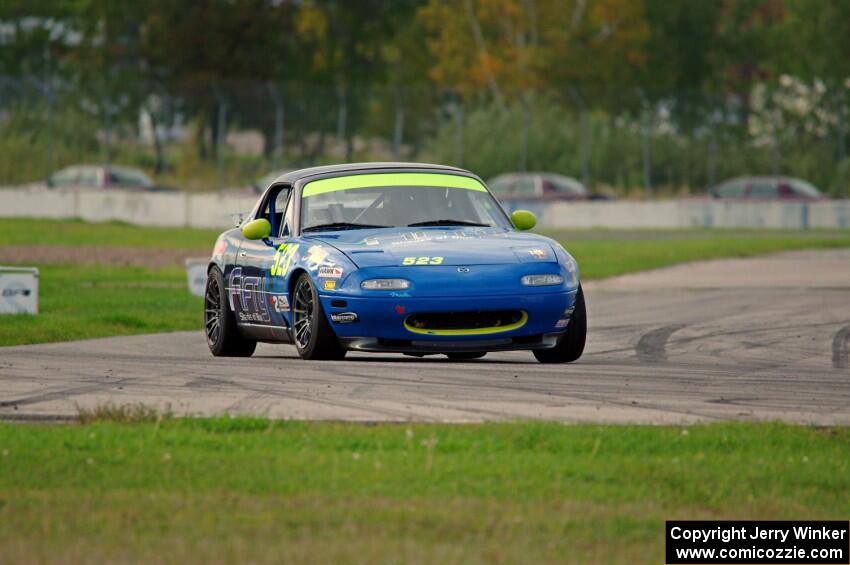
{"x":80,"y":177}
{"x":540,"y":186}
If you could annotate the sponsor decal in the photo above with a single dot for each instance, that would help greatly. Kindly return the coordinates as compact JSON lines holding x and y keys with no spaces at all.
{"x":537,"y":253}
{"x":220,"y":247}
{"x":565,"y":321}
{"x":251,"y":317}
{"x":283,"y":259}
{"x":280,"y":303}
{"x":343,"y":317}
{"x":329,"y":285}
{"x":334,"y":272}
{"x":422,"y":236}
{"x":247,"y":296}
{"x":316,"y":255}
{"x":400,"y":309}
{"x":407,"y":261}
{"x":16,"y":292}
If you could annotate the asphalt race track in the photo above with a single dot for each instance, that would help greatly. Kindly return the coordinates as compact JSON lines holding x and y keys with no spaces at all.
{"x":762,"y":338}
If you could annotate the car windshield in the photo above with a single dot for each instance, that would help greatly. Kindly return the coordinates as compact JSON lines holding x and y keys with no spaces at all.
{"x":129,"y":177}
{"x":398,"y":200}
{"x":803,"y":188}
{"x":566,"y":185}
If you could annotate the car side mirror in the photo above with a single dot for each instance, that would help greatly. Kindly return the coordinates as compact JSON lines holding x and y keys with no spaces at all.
{"x":257,"y":229}
{"x":523,"y":219}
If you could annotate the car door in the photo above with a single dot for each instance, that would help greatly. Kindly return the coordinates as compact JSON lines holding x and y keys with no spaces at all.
{"x":258,"y":294}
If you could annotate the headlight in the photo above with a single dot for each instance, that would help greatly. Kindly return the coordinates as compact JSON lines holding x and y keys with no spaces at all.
{"x":542,"y":280}
{"x":385,"y":284}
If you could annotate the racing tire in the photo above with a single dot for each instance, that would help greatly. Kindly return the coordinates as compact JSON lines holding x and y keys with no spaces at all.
{"x":464,"y":356}
{"x":570,"y":345}
{"x":313,"y":336}
{"x":220,"y":326}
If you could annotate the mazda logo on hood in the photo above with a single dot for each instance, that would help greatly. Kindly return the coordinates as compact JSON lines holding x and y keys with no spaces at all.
{"x":463,"y":269}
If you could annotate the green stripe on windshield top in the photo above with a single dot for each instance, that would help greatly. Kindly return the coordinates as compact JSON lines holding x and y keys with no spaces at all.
{"x":391,"y":179}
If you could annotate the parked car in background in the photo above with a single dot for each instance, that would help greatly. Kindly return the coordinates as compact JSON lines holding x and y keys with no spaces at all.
{"x":103,"y":176}
{"x":540,"y":186}
{"x":766,"y":188}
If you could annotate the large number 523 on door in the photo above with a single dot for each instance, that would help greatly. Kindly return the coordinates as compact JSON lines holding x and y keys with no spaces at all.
{"x":422,"y":261}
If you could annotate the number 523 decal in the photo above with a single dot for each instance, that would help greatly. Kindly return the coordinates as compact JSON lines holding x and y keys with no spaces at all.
{"x":422,"y":261}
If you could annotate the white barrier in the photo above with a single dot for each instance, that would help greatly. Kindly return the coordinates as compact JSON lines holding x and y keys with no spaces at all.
{"x":690,"y":213}
{"x":141,"y":208}
{"x":196,"y":275}
{"x":214,"y":211}
{"x":18,"y":290}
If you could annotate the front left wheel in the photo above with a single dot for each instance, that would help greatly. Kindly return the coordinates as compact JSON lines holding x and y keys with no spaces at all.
{"x":313,"y":336}
{"x":222,"y":334}
{"x":571,"y":344}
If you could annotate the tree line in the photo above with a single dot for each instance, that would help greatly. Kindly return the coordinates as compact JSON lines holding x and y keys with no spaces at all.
{"x":686,"y":65}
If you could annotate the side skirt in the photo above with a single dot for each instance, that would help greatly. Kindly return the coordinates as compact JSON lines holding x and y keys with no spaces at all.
{"x":275,"y":334}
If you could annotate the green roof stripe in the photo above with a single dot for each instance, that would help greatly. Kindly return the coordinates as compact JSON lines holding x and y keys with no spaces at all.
{"x":391,"y":179}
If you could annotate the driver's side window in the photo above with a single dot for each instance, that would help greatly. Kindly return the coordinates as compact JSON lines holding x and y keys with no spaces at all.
{"x":274,"y":210}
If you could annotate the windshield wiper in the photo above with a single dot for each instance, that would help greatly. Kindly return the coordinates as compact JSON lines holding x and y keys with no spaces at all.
{"x":448,"y":222}
{"x":341,"y":226}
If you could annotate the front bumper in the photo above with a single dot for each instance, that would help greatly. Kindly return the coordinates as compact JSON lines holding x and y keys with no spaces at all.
{"x":380,"y":322}
{"x":524,"y":343}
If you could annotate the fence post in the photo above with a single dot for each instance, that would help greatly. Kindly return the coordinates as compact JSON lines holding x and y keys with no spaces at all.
{"x":712,"y":156}
{"x":458,"y":114}
{"x":221,"y":118}
{"x":775,"y":155}
{"x":526,"y":124}
{"x":842,"y":150}
{"x":279,"y":124}
{"x":584,"y":135}
{"x":50,"y":162}
{"x":342,"y":114}
{"x":107,"y":126}
{"x":398,"y":127}
{"x":647,"y":151}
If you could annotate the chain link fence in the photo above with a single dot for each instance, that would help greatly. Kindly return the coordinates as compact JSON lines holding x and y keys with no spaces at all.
{"x":227,"y":135}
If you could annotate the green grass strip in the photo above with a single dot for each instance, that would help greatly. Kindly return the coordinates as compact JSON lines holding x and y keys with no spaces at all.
{"x":254,"y":490}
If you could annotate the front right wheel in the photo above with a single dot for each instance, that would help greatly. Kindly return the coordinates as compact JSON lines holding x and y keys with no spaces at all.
{"x":571,"y":344}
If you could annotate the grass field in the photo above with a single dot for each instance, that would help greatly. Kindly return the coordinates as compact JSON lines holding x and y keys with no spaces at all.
{"x":20,"y":231}
{"x":602,"y":253}
{"x":79,"y":301}
{"x":224,"y":490}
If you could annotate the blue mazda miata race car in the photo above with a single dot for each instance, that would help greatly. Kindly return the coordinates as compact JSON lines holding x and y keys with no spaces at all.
{"x":391,"y":257}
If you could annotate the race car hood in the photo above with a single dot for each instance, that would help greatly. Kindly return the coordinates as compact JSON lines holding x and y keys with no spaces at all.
{"x":443,"y":246}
